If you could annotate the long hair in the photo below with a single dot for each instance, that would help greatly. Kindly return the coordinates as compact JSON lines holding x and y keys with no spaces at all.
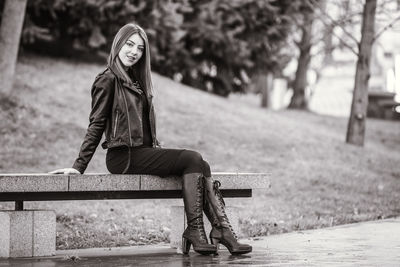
{"x":141,"y":69}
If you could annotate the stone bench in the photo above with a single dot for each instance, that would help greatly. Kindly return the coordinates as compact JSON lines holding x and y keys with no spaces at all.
{"x":27,"y":233}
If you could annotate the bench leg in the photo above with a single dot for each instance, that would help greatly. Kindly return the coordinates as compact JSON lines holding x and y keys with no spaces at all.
{"x":27,"y":233}
{"x":178,"y":224}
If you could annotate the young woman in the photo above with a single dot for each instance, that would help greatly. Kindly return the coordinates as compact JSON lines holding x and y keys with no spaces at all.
{"x":122,"y":109}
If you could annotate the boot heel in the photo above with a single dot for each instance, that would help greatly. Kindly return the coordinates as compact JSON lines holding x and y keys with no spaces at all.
{"x":186,"y":245}
{"x":215,"y":242}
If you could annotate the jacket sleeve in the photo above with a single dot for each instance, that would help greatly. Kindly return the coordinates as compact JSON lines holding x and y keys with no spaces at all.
{"x":102,"y":98}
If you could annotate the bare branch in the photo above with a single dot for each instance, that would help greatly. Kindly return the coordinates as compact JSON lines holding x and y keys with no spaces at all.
{"x":385,"y":28}
{"x":333,"y":21}
{"x":346,"y":44}
{"x":384,"y":12}
{"x":341,"y":39}
{"x":353,"y":17}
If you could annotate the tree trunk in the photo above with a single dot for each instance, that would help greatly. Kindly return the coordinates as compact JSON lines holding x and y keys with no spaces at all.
{"x":299,"y":100}
{"x":10,"y":34}
{"x":264,"y":86}
{"x":356,"y":126}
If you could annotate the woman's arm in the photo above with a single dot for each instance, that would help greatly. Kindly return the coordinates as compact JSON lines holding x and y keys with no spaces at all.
{"x":102,"y":99}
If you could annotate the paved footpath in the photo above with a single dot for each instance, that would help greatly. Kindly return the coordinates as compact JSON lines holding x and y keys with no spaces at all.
{"x":374,"y":243}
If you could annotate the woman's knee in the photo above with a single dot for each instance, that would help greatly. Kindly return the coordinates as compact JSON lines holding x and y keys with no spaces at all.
{"x":196,"y":163}
{"x":192,"y":157}
{"x":192,"y":162}
{"x":206,"y":169}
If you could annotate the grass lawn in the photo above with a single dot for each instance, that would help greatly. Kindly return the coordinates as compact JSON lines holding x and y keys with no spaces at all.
{"x":317,"y":179}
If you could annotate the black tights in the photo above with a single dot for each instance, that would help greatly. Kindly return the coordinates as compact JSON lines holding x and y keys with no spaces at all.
{"x":155,"y":161}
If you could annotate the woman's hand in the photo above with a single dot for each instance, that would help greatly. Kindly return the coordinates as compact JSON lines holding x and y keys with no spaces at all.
{"x":65,"y":171}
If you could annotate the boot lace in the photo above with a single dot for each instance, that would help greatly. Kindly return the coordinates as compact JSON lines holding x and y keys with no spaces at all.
{"x":198,"y":222}
{"x":218,"y":193}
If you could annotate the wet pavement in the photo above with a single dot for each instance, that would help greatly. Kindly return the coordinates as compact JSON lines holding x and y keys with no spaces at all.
{"x":374,"y":243}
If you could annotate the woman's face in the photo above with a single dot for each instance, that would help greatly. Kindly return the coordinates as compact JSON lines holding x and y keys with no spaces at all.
{"x":132,"y":50}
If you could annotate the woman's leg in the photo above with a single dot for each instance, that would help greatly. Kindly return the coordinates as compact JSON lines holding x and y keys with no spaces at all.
{"x":145,"y":160}
{"x":156,"y":161}
{"x":163,"y":162}
{"x":118,"y":159}
{"x":190,"y":165}
{"x":214,"y":208}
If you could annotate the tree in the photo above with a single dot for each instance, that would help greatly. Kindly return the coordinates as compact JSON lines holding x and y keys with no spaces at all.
{"x":356,"y":125}
{"x":229,"y":39}
{"x":316,"y":38}
{"x":214,"y":45}
{"x":299,"y":100}
{"x":10,"y":34}
{"x":265,"y":85}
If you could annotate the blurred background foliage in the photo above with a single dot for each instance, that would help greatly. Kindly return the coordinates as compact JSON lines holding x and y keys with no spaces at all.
{"x":213,"y":45}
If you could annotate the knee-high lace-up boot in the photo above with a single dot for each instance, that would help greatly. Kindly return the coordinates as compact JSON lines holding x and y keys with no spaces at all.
{"x":222,"y":231}
{"x":193,"y":197}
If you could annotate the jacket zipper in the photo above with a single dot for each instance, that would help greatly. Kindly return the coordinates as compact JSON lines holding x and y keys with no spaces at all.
{"x":151,"y":124}
{"x":127,"y":114}
{"x":116,"y":124}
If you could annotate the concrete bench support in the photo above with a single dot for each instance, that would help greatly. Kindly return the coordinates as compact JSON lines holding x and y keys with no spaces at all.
{"x":179,"y":221}
{"x":27,"y":233}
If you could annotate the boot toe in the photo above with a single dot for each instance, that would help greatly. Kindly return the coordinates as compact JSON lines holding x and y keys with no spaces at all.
{"x":241,"y":249}
{"x":205,"y":249}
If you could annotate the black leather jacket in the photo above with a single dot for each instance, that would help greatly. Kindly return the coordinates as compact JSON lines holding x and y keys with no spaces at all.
{"x":116,"y":112}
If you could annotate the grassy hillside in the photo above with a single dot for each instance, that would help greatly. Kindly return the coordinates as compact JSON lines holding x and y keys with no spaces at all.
{"x":317,"y":179}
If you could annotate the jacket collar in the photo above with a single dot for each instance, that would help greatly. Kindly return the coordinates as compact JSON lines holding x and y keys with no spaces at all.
{"x":127,"y":84}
